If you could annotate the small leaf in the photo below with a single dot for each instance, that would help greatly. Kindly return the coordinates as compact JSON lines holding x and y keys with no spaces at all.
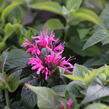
{"x":3,"y":80}
{"x":2,"y":46}
{"x":96,"y":37}
{"x":97,"y":106}
{"x":8,"y":9}
{"x":48,"y":6}
{"x":82,"y":74}
{"x":9,"y":82}
{"x":79,"y":70}
{"x":95,"y":92}
{"x":11,"y":29}
{"x":8,"y":30}
{"x":73,"y":4}
{"x":54,"y":24}
{"x":13,"y":83}
{"x":87,"y":15}
{"x":47,"y":98}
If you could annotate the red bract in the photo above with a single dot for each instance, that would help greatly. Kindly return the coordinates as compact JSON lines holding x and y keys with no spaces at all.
{"x":46,"y":54}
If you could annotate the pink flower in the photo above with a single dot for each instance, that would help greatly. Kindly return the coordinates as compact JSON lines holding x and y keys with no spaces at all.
{"x":46,"y":54}
{"x":36,"y":63}
{"x":48,"y":64}
{"x":67,"y":105}
{"x":62,"y":106}
{"x":46,"y":72}
{"x":45,"y":40}
{"x":54,"y":60}
{"x":66,"y":65}
{"x":70,"y":103}
{"x":32,"y":48}
{"x":59,"y":48}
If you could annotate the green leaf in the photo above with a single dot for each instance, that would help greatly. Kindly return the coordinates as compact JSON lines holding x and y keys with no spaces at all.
{"x":54,"y":24}
{"x":60,"y":89}
{"x":73,"y":4}
{"x":77,"y":47}
{"x":17,"y":58}
{"x":81,"y":73}
{"x":9,"y":82}
{"x":4,"y":58}
{"x":2,"y":80}
{"x":47,"y":98}
{"x":2,"y":46}
{"x":8,"y":9}
{"x":75,"y":87}
{"x":6,"y":107}
{"x":105,"y":108}
{"x":48,"y":6}
{"x":79,"y":70}
{"x":83,"y":33}
{"x":96,"y":37}
{"x":73,"y":78}
{"x":95,"y":92}
{"x":17,"y":15}
{"x":26,"y":35}
{"x":8,"y":30}
{"x":106,"y":41}
{"x":87,"y":14}
{"x":97,"y":106}
{"x":97,"y":61}
{"x":29,"y":98}
{"x":75,"y":21}
{"x":13,"y":83}
{"x":11,"y":29}
{"x":104,"y":16}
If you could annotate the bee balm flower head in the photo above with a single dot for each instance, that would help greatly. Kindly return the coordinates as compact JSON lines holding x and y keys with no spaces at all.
{"x":46,"y":54}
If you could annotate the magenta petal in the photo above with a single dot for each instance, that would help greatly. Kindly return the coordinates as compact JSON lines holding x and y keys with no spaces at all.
{"x":27,"y":44}
{"x":70,"y":103}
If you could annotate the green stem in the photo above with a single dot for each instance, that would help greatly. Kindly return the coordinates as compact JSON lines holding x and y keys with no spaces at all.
{"x":7,"y":98}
